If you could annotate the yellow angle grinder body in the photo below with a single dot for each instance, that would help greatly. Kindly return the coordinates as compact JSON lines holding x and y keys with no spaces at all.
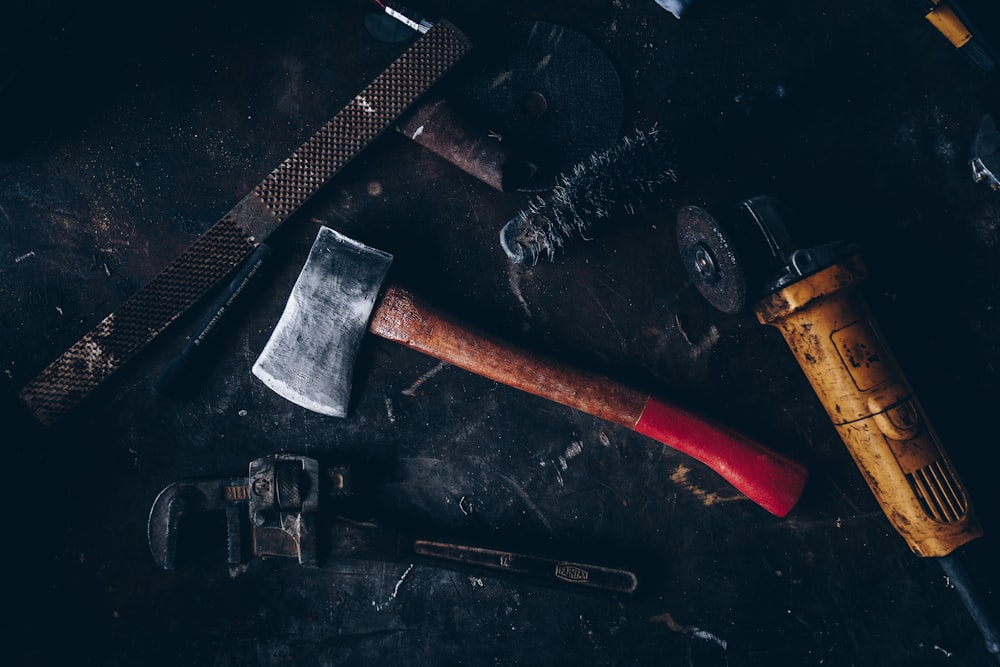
{"x":813,"y":297}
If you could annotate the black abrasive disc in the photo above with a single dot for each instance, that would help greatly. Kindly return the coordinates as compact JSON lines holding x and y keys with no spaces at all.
{"x":711,"y":260}
{"x":546,"y":90}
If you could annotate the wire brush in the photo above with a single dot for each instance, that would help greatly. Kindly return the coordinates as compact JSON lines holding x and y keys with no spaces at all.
{"x":609,"y":181}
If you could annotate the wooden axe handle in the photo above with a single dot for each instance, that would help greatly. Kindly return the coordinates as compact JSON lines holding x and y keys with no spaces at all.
{"x":770,"y":479}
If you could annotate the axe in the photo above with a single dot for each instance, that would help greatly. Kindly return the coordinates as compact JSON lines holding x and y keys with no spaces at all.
{"x":338,"y":296}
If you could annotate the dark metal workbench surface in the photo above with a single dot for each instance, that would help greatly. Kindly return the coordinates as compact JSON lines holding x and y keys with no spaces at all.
{"x":126,"y":132}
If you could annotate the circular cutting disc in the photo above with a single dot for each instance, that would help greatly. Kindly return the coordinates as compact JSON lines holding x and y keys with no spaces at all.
{"x":711,"y":260}
{"x":549,"y":92}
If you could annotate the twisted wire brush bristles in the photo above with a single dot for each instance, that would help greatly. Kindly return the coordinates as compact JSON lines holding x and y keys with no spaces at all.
{"x":609,"y":181}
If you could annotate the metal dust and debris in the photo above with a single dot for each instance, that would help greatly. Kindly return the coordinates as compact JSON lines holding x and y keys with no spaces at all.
{"x":412,"y":389}
{"x":395,"y":591}
{"x":668,"y":620}
{"x":707,"y":498}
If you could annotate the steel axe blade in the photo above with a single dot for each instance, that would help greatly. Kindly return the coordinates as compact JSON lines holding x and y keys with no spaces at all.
{"x":309,"y":358}
{"x":312,"y":351}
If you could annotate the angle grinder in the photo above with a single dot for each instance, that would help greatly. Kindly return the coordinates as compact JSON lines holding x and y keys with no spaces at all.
{"x":812,"y":295}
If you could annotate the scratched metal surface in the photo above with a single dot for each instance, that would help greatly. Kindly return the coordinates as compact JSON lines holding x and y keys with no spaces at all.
{"x":129,"y":137}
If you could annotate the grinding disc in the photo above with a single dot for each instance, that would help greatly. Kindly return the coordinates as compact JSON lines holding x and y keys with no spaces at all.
{"x":711,"y":260}
{"x":546,"y":90}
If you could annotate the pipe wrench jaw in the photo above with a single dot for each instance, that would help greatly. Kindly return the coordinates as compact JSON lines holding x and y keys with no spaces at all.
{"x":283,"y":502}
{"x":189,"y":497}
{"x":279,"y":500}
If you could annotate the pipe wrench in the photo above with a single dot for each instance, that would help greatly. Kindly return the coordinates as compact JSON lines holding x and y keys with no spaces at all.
{"x":294,"y":508}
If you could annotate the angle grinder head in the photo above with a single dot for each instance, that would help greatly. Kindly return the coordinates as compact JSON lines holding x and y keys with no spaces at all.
{"x":743,"y":254}
{"x":711,"y":259}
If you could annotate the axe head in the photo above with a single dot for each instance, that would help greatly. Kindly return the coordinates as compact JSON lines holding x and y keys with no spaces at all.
{"x":310,"y":356}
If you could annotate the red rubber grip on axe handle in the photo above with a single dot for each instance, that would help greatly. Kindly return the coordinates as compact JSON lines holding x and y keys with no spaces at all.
{"x":773,"y":481}
{"x":766,"y":477}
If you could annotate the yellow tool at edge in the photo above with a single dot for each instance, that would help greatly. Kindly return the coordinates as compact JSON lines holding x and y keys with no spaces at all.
{"x":943,"y":17}
{"x":950,"y":20}
{"x":812,"y":295}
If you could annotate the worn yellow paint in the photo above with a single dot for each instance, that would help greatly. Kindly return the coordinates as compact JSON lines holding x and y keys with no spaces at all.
{"x":834,"y":337}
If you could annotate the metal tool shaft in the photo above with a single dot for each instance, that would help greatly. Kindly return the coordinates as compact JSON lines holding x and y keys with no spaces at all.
{"x":971,"y":597}
{"x":536,"y":569}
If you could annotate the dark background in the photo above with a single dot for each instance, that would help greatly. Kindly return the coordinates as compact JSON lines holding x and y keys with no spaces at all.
{"x":125,"y":132}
